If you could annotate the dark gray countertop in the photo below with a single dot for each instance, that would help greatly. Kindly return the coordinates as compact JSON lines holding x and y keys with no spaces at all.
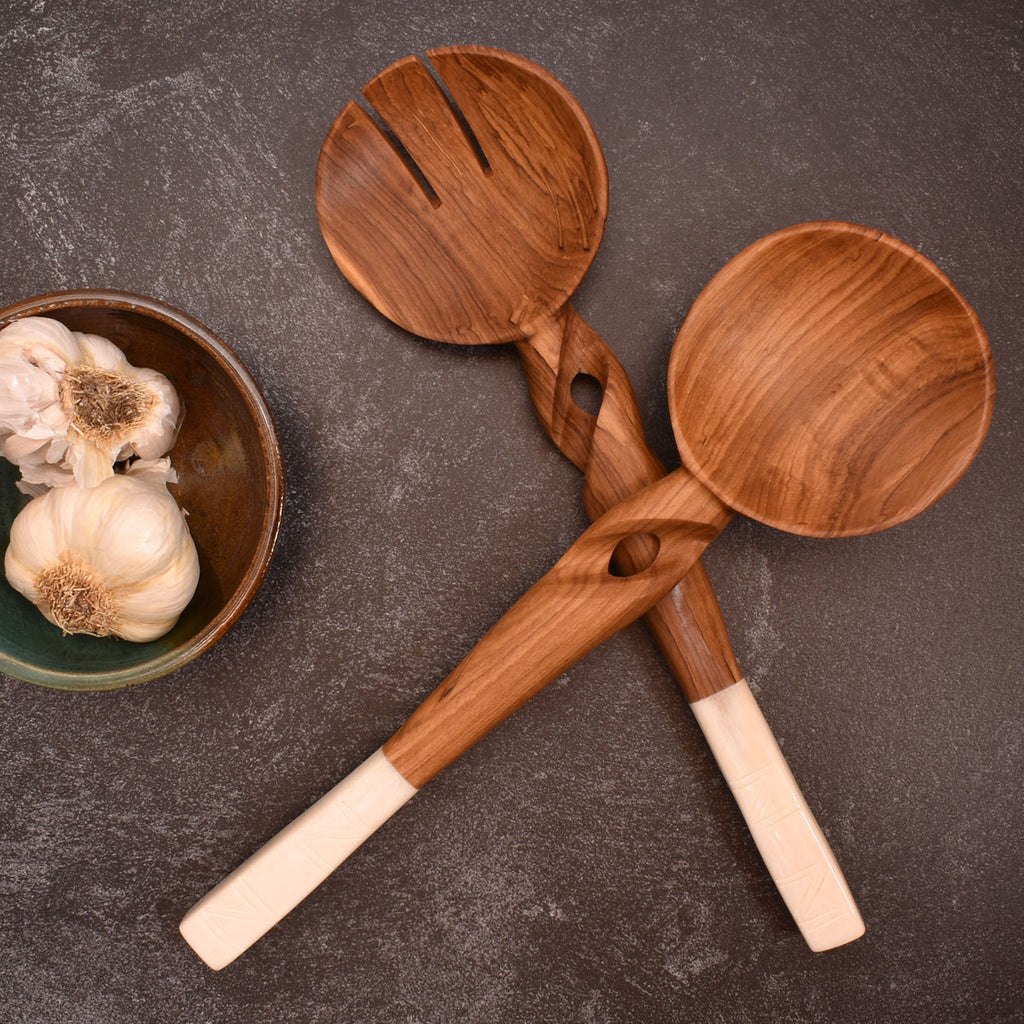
{"x":585,"y":861}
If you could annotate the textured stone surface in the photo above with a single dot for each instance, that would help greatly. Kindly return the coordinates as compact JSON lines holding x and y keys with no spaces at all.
{"x":585,"y":862}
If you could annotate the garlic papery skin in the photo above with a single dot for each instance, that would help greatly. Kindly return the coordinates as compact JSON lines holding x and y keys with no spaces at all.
{"x":71,"y":405}
{"x":115,"y":559}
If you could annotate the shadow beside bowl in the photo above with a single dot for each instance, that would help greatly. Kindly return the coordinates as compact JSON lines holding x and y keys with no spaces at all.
{"x":230,"y":482}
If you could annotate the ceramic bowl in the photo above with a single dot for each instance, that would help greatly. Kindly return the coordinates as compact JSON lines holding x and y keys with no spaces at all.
{"x":231,"y":482}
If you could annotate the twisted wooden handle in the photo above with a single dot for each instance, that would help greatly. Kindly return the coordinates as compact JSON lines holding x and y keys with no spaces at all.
{"x":611,"y":451}
{"x":656,"y":534}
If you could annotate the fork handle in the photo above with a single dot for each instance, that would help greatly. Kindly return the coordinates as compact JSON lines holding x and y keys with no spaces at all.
{"x":687,"y":624}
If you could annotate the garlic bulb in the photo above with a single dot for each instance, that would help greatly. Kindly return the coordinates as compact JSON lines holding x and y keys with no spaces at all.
{"x":115,"y":559}
{"x":71,"y":405}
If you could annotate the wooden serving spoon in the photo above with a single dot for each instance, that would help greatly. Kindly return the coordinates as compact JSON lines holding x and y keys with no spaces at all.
{"x":829,"y":380}
{"x":474,"y":224}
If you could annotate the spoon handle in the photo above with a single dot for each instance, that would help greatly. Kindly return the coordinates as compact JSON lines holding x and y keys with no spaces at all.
{"x":568,"y":612}
{"x":609,"y":447}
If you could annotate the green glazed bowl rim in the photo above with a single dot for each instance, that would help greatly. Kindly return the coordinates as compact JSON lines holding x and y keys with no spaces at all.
{"x":237,"y":602}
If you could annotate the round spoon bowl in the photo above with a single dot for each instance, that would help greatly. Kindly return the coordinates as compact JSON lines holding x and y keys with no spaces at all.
{"x":830,"y":381}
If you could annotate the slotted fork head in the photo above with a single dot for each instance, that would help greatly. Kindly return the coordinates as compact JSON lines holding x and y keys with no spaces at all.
{"x":474,"y":208}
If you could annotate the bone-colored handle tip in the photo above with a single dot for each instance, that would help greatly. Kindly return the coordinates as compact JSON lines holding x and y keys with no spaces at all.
{"x":275,"y":879}
{"x":793,"y":847}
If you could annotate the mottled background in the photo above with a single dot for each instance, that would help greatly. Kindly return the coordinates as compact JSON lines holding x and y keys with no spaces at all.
{"x":585,"y":862}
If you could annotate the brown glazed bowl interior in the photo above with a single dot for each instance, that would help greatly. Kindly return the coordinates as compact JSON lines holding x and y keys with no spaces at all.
{"x":230,"y":482}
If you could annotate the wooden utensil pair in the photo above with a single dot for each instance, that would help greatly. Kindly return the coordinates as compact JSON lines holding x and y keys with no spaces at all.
{"x":829,"y":381}
{"x":473,"y":223}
